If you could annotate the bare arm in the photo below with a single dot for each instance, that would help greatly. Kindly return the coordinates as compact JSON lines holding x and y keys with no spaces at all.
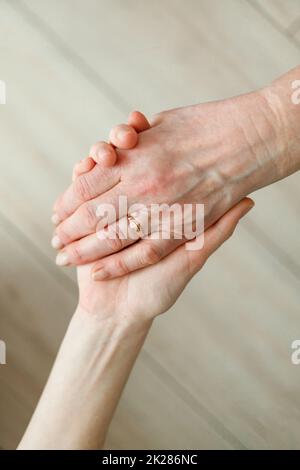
{"x":103,"y":340}
{"x":86,"y":382}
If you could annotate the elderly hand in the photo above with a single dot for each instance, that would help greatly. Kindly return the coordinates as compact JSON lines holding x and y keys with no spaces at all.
{"x":214,"y":154}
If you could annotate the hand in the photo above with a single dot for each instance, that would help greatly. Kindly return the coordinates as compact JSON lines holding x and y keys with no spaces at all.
{"x":160,"y":284}
{"x":124,"y":136}
{"x":210,"y":153}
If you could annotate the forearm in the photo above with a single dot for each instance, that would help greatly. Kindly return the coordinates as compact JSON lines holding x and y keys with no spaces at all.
{"x":91,"y":369}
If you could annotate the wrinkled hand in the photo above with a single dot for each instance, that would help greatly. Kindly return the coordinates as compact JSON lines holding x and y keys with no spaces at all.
{"x":209,"y":153}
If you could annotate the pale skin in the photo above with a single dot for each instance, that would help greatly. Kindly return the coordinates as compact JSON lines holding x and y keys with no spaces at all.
{"x":107,"y":332}
{"x":213,"y":153}
{"x":104,"y":338}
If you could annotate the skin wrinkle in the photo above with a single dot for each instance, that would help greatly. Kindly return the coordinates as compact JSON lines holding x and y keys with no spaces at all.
{"x":275,"y":149}
{"x":212,"y":153}
{"x":277,"y":107}
{"x":256,"y":144}
{"x":209,"y":180}
{"x":260,"y":159}
{"x":232,"y":142}
{"x":274,"y":104}
{"x":282,"y":140}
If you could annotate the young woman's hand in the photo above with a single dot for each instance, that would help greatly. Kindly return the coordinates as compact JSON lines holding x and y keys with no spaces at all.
{"x":153,"y":290}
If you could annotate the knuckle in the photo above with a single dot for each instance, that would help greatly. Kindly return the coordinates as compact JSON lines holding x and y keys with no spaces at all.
{"x":63,"y":234}
{"x":117,"y":127}
{"x":88,"y":214}
{"x":82,"y":188}
{"x":150,"y":254}
{"x":61,"y":208}
{"x":99,"y":146}
{"x":121,"y":266}
{"x":75,"y":253}
{"x":96,"y":266}
{"x":94,"y":149}
{"x":114,"y":243}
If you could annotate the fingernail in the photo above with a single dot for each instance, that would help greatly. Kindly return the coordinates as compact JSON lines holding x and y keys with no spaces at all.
{"x":56,"y":242}
{"x":55,"y":219}
{"x":100,"y":275}
{"x":62,"y":259}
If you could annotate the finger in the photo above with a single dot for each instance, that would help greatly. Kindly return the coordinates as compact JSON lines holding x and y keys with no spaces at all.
{"x":142,"y":254}
{"x":84,"y":166}
{"x":215,"y":236}
{"x":94,"y":246}
{"x":97,"y":245}
{"x":104,"y":154}
{"x":86,"y":187}
{"x":111,"y":235}
{"x":180,"y":262}
{"x":91,"y":216}
{"x":138,"y":121}
{"x":123,"y":136}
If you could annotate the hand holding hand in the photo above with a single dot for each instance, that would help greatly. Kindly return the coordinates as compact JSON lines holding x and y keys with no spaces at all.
{"x":209,"y":154}
{"x":161,"y":284}
{"x":153,"y":290}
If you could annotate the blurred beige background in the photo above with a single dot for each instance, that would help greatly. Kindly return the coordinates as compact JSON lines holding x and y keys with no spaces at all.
{"x":216,"y":371}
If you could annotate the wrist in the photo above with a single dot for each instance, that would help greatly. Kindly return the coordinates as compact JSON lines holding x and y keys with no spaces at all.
{"x":262,"y":146}
{"x":112,"y":325}
{"x":285,"y":115}
{"x":246,"y":145}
